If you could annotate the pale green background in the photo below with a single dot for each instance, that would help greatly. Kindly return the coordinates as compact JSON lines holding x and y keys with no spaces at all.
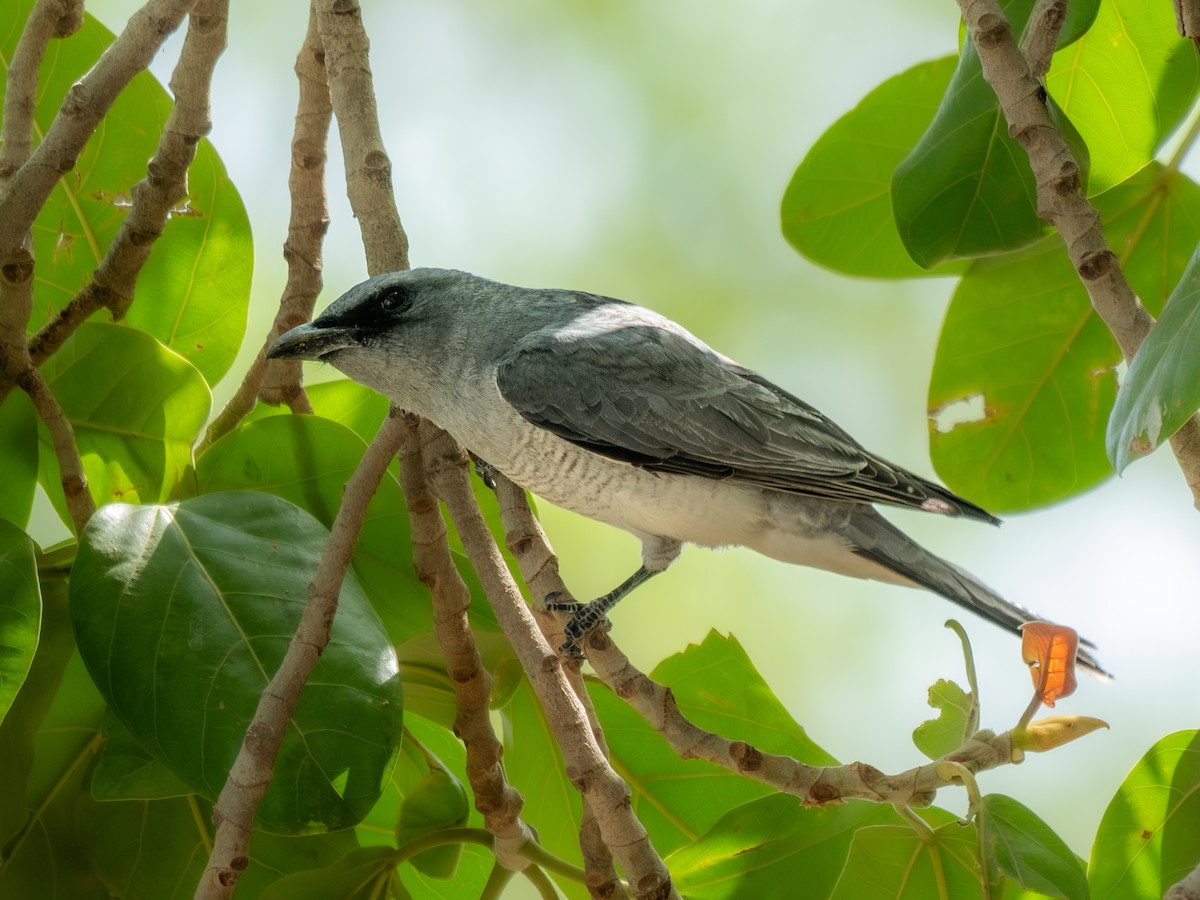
{"x":641,"y":150}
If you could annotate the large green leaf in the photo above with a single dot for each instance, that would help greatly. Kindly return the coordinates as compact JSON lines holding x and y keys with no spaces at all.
{"x":19,"y":450}
{"x":762,"y":845}
{"x":966,"y":188}
{"x":183,"y":613}
{"x":20,"y":611}
{"x":194,"y":293}
{"x":127,"y":771}
{"x":1024,"y":848}
{"x":1149,"y":837}
{"x":896,"y":863}
{"x":135,"y":407}
{"x":308,"y":460}
{"x":837,"y":209}
{"x":1161,"y":391}
{"x":1126,"y":86}
{"x":1022,"y":342}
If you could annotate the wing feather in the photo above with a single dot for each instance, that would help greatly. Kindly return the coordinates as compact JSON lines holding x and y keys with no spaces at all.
{"x":628,"y":384}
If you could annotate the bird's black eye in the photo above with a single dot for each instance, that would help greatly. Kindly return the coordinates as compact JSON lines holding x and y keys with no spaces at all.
{"x":393,"y":301}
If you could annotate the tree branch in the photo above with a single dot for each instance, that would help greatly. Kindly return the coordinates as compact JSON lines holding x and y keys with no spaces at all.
{"x":1061,"y":201}
{"x":85,"y":105}
{"x":368,"y":169}
{"x":80,"y":505}
{"x":155,"y":196}
{"x":586,"y":765}
{"x":278,"y":381}
{"x":539,"y":567}
{"x":495,"y":798}
{"x":254,"y":767}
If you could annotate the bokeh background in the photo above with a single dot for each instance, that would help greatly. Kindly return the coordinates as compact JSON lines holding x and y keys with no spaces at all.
{"x":641,"y":150}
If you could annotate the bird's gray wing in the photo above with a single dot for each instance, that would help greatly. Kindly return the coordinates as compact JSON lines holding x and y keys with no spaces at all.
{"x":655,"y":397}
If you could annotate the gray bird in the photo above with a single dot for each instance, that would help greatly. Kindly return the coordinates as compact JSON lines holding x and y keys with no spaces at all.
{"x":615,"y":412}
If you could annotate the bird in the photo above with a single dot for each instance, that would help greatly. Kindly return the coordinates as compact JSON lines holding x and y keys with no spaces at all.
{"x":611,"y":410}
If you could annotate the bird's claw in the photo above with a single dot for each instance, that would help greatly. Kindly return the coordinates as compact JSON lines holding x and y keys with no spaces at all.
{"x":486,"y":472}
{"x":584,"y":617}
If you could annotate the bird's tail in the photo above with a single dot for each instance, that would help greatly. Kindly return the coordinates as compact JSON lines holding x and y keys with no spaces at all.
{"x":884,"y":544}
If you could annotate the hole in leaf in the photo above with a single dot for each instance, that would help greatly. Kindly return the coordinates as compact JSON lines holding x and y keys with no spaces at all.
{"x":959,"y":412}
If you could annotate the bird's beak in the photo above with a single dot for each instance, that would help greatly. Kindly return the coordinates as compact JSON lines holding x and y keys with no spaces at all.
{"x":312,"y":341}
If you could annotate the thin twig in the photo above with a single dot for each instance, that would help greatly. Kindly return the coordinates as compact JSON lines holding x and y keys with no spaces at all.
{"x":254,"y":767}
{"x":495,"y":798}
{"x":278,"y":381}
{"x":80,"y":505}
{"x":1061,"y":201}
{"x":586,"y":766}
{"x":1041,"y":34}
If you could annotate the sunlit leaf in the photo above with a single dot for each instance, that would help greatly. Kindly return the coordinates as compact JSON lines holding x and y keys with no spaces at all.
{"x":756,"y":848}
{"x":194,"y":292}
{"x":1147,"y":840}
{"x":1161,"y":391}
{"x":937,"y":737}
{"x":837,"y":209}
{"x":183,"y":613}
{"x":1024,"y":848}
{"x":1049,"y":650}
{"x":1024,"y":378}
{"x":135,"y":408}
{"x":894,"y":862}
{"x":346,"y":402}
{"x":1126,"y":86}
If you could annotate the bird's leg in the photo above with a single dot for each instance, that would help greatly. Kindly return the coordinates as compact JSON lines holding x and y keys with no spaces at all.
{"x":587,"y":616}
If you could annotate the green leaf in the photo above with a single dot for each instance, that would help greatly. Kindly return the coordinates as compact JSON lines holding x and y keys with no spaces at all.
{"x":1161,"y":391}
{"x":837,"y":209}
{"x":1126,"y":86}
{"x":1022,"y":343}
{"x":126,"y":771}
{"x":194,"y":292}
{"x":937,"y":737}
{"x":757,"y":847}
{"x":718,"y":688}
{"x":346,"y":402}
{"x":307,"y":460}
{"x":20,"y":611}
{"x":183,"y":612}
{"x":1149,"y":837}
{"x":894,"y":862}
{"x":19,"y":450}
{"x":135,"y":408}
{"x":438,"y":802}
{"x":1024,"y":848}
{"x":966,"y":188}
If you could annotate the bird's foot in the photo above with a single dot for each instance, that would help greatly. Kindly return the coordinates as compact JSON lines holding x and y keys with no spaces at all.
{"x":584,"y":617}
{"x":486,"y":472}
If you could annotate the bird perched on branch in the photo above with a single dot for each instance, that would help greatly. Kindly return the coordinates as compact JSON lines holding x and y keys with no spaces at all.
{"x":615,"y":412}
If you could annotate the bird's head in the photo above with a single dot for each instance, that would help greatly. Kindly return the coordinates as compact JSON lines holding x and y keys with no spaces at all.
{"x":395,"y":332}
